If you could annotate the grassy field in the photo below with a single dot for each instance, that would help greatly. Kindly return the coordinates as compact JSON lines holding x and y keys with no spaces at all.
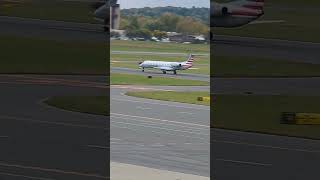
{"x":248,"y":66}
{"x":263,"y":114}
{"x":85,"y":104}
{"x":126,"y":79}
{"x":300,"y":22}
{"x":31,"y":55}
{"x":184,"y":97}
{"x":222,"y":66}
{"x":53,"y":10}
{"x":120,"y":45}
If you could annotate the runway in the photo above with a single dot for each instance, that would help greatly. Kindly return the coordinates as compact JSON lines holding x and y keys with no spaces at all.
{"x":162,"y":135}
{"x":240,"y":155}
{"x":158,"y":73}
{"x":297,"y":51}
{"x":239,"y":46}
{"x":40,"y":142}
{"x":267,"y":86}
{"x":46,"y":137}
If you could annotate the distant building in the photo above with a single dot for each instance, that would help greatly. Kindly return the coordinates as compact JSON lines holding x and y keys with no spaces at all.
{"x":178,"y":37}
{"x":114,"y":14}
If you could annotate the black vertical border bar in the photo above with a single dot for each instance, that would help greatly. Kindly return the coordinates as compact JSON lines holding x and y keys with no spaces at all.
{"x":212,"y":97}
{"x":108,"y":51}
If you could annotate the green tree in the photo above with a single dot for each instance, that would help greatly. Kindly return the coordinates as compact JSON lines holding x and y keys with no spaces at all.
{"x":168,"y":21}
{"x":159,"y":34}
{"x":124,"y":23}
{"x":139,"y":33}
{"x":133,"y":23}
{"x":190,"y":26}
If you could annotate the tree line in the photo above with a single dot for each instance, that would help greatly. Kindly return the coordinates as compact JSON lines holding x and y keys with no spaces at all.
{"x":142,"y":24}
{"x":201,"y":14}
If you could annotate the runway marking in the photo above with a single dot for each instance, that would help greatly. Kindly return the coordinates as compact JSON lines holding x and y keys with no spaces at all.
{"x":29,"y":177}
{"x":52,"y":170}
{"x":150,"y":122}
{"x":186,"y":113}
{"x":115,"y":139}
{"x":171,"y":144}
{"x":190,"y":132}
{"x":49,"y":21}
{"x":157,"y":145}
{"x":55,"y":81}
{"x":135,"y":87}
{"x":57,"y":84}
{"x":161,"y":120}
{"x":48,"y":122}
{"x":142,"y":108}
{"x":244,"y":162}
{"x":266,"y":146}
{"x":163,"y":104}
{"x":162,"y":132}
{"x":279,"y":40}
{"x":115,"y":142}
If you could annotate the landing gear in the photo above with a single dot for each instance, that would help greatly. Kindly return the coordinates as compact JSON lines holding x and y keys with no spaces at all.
{"x":142,"y":69}
{"x":174,"y":72}
{"x":164,"y":72}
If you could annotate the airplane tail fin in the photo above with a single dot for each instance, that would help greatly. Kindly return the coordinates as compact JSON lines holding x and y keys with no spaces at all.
{"x":189,"y":60}
{"x":253,"y":4}
{"x":251,"y":7}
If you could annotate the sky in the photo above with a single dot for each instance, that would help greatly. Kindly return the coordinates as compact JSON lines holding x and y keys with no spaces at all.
{"x":126,"y":4}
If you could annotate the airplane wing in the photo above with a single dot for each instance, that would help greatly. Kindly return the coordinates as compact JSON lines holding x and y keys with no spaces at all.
{"x":164,"y":68}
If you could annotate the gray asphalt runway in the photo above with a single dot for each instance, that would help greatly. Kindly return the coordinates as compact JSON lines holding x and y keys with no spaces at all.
{"x":267,"y":86}
{"x":306,"y":52}
{"x":164,"y":135}
{"x":159,"y":74}
{"x":40,"y":142}
{"x":157,"y":134}
{"x":66,"y":145}
{"x":50,"y":143}
{"x":239,"y":155}
{"x":151,"y":127}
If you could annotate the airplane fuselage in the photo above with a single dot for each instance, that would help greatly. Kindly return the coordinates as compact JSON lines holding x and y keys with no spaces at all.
{"x":165,"y":66}
{"x":168,"y":66}
{"x":236,"y":13}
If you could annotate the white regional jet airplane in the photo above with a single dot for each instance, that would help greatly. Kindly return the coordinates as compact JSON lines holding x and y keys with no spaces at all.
{"x":167,"y":66}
